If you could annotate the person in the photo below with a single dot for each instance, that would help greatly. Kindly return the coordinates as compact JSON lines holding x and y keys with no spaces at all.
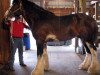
{"x":16,"y":31}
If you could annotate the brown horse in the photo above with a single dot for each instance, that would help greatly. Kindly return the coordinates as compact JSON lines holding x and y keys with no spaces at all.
{"x":46,"y":27}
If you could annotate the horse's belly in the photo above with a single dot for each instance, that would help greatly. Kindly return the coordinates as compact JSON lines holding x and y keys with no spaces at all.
{"x":65,"y":37}
{"x":59,"y":37}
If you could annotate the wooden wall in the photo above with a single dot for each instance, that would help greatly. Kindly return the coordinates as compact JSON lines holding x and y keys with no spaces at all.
{"x":4,"y":34}
{"x":66,"y":11}
{"x":97,"y":11}
{"x":61,"y":11}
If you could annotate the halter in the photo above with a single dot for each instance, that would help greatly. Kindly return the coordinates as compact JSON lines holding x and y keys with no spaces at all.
{"x":8,"y":11}
{"x":18,"y":8}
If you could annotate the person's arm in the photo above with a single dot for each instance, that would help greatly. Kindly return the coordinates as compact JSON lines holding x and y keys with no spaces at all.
{"x":5,"y":24}
{"x":27,"y":27}
{"x":8,"y":22}
{"x":11,"y":27}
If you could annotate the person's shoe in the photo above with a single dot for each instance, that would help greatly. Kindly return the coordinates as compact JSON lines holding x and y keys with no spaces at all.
{"x":8,"y":68}
{"x":23,"y":65}
{"x":11,"y":69}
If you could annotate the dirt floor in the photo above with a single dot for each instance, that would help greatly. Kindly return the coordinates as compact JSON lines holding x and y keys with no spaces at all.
{"x":63,"y":61}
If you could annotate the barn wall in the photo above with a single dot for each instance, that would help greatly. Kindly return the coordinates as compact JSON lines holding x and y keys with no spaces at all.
{"x":61,"y":11}
{"x":4,"y":34}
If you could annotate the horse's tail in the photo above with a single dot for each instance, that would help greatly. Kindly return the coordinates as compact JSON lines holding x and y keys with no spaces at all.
{"x":95,"y":30}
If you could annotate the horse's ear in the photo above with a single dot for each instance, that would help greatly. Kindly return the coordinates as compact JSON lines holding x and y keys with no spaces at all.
{"x":16,"y":1}
{"x":23,"y":0}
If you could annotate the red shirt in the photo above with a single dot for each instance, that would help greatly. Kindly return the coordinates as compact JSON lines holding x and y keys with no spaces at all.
{"x":17,"y":29}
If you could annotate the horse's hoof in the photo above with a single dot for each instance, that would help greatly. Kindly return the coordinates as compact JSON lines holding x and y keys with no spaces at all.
{"x":46,"y":69}
{"x":91,"y":71}
{"x":83,"y":67}
{"x":36,"y":72}
{"x":94,"y":68}
{"x":80,"y":66}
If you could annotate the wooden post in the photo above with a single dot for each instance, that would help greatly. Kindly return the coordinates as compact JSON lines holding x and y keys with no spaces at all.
{"x":83,"y":5}
{"x":76,"y":6}
{"x":45,"y":4}
{"x":42,"y":3}
{"x":1,"y":11}
{"x":4,"y":34}
{"x":91,"y":10}
{"x":97,"y":10}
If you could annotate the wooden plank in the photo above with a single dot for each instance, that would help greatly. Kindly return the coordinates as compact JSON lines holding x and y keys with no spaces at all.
{"x":61,"y":11}
{"x":4,"y":34}
{"x":83,"y":5}
{"x":97,"y":10}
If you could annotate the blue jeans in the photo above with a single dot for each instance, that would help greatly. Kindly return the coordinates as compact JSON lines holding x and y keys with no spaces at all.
{"x":16,"y":43}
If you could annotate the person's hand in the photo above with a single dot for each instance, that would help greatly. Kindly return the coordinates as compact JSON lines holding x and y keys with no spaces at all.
{"x":9,"y":18}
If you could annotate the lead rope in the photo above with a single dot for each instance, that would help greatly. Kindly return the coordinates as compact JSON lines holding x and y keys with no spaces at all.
{"x":11,"y":31}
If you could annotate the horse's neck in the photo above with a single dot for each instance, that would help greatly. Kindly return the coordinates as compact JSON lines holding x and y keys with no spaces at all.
{"x":30,"y":21}
{"x":37,"y":11}
{"x":35,"y":14}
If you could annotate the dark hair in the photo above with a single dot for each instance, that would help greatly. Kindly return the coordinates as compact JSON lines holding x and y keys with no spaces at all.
{"x":17,"y":17}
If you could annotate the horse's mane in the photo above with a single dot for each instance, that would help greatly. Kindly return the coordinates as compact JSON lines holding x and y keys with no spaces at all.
{"x":15,"y":1}
{"x":30,"y":6}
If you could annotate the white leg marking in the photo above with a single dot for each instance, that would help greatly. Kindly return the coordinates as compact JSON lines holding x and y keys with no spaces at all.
{"x":39,"y":70}
{"x":94,"y":67}
{"x":86,"y":63}
{"x":46,"y":61}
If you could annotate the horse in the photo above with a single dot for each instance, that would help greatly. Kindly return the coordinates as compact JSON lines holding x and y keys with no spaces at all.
{"x":46,"y":26}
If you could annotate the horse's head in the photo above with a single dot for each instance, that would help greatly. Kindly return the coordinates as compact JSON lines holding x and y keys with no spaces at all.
{"x":15,"y":9}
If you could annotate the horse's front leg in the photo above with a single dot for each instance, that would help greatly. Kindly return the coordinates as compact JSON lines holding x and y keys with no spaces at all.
{"x":87,"y":61}
{"x":45,"y":56}
{"x":39,"y":69}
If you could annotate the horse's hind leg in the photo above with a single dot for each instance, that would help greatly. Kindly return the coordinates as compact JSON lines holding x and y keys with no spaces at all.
{"x":87,"y":61}
{"x":94,"y":67}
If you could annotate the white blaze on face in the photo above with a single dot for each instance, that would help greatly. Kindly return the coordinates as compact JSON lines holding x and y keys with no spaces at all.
{"x":51,"y":36}
{"x":6,"y":13}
